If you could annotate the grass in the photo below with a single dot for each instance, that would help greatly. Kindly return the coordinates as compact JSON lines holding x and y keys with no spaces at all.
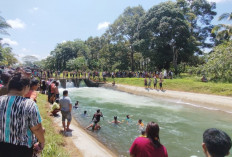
{"x":184,"y":83}
{"x":54,"y":142}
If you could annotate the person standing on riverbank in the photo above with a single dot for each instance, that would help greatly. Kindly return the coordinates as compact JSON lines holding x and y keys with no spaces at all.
{"x":66,"y":108}
{"x":161,"y":84}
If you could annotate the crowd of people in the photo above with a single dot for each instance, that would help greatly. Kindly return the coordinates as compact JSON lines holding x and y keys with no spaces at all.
{"x":21,"y":130}
{"x":22,"y":133}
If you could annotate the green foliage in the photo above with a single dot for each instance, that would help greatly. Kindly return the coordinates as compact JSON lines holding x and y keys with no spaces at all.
{"x":3,"y":25}
{"x":8,"y":58}
{"x":77,"y":64}
{"x":219,"y":65}
{"x":223,"y":31}
{"x":165,"y":35}
{"x":29,"y":60}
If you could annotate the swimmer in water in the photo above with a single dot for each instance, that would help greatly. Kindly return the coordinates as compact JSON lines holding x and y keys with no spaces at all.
{"x":76,"y":104}
{"x":95,"y":126}
{"x":84,"y":114}
{"x":115,"y":121}
{"x":96,"y":119}
{"x":128,"y":120}
{"x":140,"y":123}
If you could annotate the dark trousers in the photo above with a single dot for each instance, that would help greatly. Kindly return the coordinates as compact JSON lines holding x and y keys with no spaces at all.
{"x":11,"y":150}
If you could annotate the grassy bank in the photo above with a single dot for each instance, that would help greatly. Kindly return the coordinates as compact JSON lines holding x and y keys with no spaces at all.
{"x":54,"y":141}
{"x":187,"y":84}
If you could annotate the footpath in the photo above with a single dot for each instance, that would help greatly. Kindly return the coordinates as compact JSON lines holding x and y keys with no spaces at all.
{"x":215,"y":102}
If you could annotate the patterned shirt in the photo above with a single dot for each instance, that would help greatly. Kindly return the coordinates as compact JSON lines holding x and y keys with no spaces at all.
{"x":17,"y":116}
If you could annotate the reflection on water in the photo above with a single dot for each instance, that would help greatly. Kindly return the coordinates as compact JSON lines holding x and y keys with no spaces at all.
{"x":181,"y":125}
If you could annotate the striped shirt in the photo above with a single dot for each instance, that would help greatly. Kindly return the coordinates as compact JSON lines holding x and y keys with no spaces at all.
{"x":17,"y":116}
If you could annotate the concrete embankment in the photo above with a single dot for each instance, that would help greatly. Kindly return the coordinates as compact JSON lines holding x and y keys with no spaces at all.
{"x":222,"y":103}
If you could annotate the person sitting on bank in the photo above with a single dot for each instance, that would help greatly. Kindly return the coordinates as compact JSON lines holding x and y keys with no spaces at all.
{"x":55,"y":108}
{"x":216,"y":143}
{"x":204,"y":79}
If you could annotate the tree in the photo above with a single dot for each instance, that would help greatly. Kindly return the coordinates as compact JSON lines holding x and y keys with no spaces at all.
{"x":124,"y":29}
{"x":29,"y":60}
{"x":219,"y":65}
{"x":223,"y":31}
{"x":77,"y":64}
{"x":3,"y":26}
{"x":164,"y":36}
{"x":69,"y":50}
{"x":8,"y":58}
{"x":199,"y":14}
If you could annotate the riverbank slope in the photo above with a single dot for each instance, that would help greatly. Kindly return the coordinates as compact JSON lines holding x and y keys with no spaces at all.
{"x":214,"y":102}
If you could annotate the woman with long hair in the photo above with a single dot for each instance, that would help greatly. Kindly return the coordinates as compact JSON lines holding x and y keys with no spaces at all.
{"x":149,"y":146}
{"x":20,"y":121}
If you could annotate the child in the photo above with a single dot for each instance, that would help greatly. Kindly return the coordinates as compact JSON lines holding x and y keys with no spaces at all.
{"x":155,"y":82}
{"x":55,"y":108}
{"x":161,"y":84}
{"x":140,"y":123}
{"x":145,"y":82}
{"x":76,"y":104}
{"x":149,"y":82}
{"x":115,"y":121}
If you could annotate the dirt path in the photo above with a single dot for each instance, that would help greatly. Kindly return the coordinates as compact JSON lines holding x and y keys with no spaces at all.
{"x":79,"y":143}
{"x":222,"y":103}
{"x":68,"y":144}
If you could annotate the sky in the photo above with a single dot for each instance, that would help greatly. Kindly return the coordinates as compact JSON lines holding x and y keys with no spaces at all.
{"x":38,"y":25}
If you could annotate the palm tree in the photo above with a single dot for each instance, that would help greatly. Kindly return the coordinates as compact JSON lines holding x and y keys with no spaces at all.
{"x":223,"y":31}
{"x":3,"y":25}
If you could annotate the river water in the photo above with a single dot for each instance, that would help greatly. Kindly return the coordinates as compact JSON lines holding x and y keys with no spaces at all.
{"x":181,"y":124}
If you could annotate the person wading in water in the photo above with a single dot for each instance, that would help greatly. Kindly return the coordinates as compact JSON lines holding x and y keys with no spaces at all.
{"x":96,"y":119}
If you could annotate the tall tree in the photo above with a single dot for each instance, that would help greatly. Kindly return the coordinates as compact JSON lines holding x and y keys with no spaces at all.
{"x":125,"y":28}
{"x":165,"y":36}
{"x":199,"y":14}
{"x":29,"y":60}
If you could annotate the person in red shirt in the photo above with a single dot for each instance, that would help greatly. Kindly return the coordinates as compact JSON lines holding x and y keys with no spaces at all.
{"x":149,"y":146}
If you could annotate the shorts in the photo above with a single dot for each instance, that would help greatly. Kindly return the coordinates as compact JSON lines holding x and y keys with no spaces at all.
{"x":160,"y":84}
{"x":66,"y":115}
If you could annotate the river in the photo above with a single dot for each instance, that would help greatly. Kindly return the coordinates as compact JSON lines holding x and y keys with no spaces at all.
{"x":181,"y":124}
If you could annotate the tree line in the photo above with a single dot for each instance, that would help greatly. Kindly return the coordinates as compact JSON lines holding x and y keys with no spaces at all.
{"x":167,"y":36}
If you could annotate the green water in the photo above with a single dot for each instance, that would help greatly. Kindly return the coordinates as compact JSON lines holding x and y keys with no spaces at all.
{"x":181,"y":124}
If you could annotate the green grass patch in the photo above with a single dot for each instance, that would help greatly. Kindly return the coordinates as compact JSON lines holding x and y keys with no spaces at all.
{"x":184,"y":83}
{"x":54,"y":142}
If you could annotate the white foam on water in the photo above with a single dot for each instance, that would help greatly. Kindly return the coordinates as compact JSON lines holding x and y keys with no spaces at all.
{"x":102,"y":95}
{"x":204,"y":107}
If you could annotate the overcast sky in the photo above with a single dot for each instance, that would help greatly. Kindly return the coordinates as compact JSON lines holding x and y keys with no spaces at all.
{"x":38,"y":25}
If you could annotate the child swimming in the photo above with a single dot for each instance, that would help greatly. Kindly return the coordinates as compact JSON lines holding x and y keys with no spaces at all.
{"x":115,"y":121}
